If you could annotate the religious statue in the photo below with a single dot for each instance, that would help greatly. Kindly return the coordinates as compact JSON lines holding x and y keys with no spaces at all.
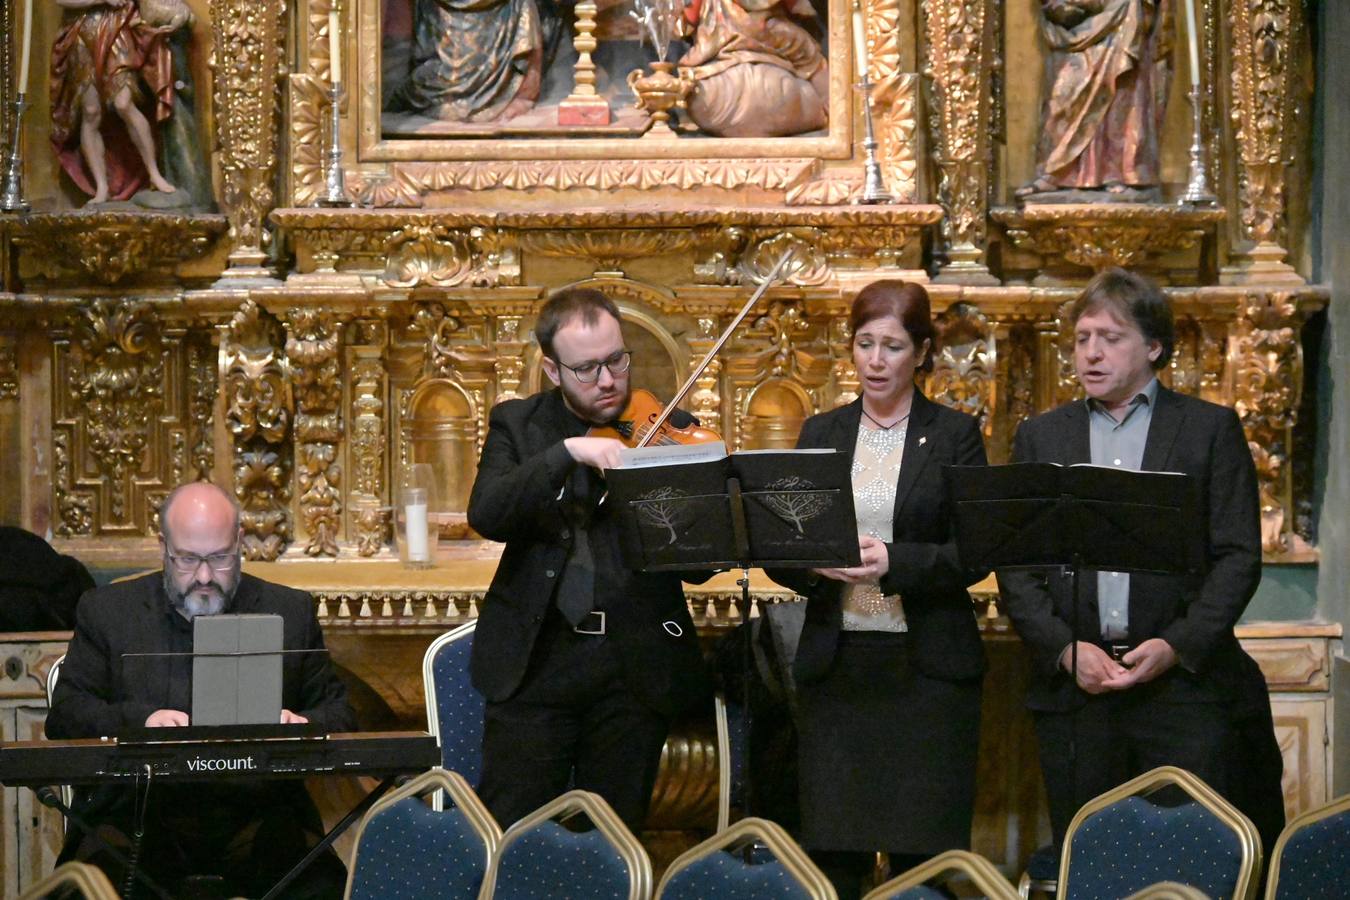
{"x":758,"y":73}
{"x":112,"y":88}
{"x":1106,"y":81}
{"x":477,"y":60}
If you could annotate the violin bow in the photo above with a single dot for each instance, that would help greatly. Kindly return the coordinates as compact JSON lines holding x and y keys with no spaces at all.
{"x":694,"y":376}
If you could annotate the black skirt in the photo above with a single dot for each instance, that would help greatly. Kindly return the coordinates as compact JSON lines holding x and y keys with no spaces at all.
{"x":886,"y":759}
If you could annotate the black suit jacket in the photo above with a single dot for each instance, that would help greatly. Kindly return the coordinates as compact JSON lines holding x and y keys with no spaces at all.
{"x":99,"y":693}
{"x":1194,"y":614}
{"x":924,"y":568}
{"x":518,"y":498}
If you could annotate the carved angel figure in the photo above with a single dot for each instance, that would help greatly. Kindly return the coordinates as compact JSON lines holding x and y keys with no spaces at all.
{"x":758,"y":72}
{"x":112,"y":88}
{"x":1106,"y":81}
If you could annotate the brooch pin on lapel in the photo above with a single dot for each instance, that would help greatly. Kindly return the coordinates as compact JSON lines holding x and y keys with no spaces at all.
{"x":923,"y":440}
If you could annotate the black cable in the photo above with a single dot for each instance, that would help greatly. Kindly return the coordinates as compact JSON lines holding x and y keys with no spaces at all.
{"x":140,"y":803}
{"x":49,"y":797}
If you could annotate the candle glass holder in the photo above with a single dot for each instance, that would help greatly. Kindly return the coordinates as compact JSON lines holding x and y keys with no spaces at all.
{"x":416,"y":527}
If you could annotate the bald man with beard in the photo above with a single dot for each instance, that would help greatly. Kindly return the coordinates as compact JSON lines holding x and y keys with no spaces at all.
{"x":244,"y":834}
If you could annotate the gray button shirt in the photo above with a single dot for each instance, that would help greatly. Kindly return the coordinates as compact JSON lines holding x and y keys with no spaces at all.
{"x":1119,"y":444}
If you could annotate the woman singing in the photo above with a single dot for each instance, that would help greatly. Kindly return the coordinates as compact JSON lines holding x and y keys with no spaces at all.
{"x":889,"y":664}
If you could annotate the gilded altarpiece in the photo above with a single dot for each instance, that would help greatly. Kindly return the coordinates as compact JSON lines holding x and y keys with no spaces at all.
{"x":307,"y":355}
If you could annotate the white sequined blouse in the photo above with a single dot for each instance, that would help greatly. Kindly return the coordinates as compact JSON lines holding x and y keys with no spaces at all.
{"x":876,"y":469}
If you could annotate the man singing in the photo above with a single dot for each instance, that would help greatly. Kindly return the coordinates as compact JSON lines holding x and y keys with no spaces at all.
{"x":583,"y":661}
{"x":1161,"y":678}
{"x":245,"y":834}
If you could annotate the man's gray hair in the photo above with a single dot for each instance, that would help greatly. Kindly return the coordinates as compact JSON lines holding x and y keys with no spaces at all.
{"x":173,"y":495}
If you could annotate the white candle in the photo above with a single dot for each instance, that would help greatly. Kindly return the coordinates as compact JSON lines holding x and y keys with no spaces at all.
{"x":859,"y":41}
{"x":27,"y":45}
{"x":415,"y":514}
{"x":334,"y":45}
{"x":1192,"y":41}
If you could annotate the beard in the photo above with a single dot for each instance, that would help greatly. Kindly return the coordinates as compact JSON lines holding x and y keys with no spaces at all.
{"x":200,"y":599}
{"x":588,"y":409}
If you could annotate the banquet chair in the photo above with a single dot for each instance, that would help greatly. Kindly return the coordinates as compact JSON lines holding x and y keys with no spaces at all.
{"x":454,"y":707}
{"x":541,"y":857}
{"x":951,"y":865}
{"x":406,"y":850}
{"x":1312,"y":855}
{"x":72,"y":879}
{"x":1137,"y":835}
{"x":753,"y":858}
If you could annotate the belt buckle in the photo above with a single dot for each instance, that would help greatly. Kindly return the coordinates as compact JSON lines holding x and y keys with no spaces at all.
{"x":582,"y":629}
{"x":1118,"y":649}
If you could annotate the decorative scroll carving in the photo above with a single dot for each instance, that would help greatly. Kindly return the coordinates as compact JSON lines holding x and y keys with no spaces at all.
{"x":1267,"y":388}
{"x":258,"y":416}
{"x":248,"y":38}
{"x":74,"y":508}
{"x":705,"y":397}
{"x":842,"y":371}
{"x":607,"y":247}
{"x":806,"y":267}
{"x":1099,"y":236}
{"x":201,"y":406}
{"x":367,"y":441}
{"x":510,"y":356}
{"x":958,"y":47}
{"x":965,"y":366}
{"x":896,"y":97}
{"x":407,"y":183}
{"x":312,"y":350}
{"x":1267,"y":41}
{"x":1016,"y":400}
{"x":117,"y":384}
{"x":112,"y":245}
{"x":307,"y":104}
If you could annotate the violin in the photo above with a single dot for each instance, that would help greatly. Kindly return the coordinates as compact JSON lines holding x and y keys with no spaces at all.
{"x":636,"y":423}
{"x":645,"y":421}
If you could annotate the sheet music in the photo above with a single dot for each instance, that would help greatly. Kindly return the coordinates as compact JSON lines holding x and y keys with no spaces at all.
{"x":672,"y":454}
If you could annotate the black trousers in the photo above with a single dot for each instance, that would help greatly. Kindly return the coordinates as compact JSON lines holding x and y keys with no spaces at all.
{"x":573,"y":723}
{"x":1114,"y":737}
{"x":241,"y":840}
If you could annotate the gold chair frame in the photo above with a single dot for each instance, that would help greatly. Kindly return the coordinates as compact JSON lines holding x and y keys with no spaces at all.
{"x":463,"y":632}
{"x":1339,"y":805}
{"x":88,"y":880}
{"x":1169,"y":890}
{"x":440,"y":782}
{"x":1245,"y":887}
{"x":605,"y":820}
{"x":772,"y":835}
{"x":979,"y":870}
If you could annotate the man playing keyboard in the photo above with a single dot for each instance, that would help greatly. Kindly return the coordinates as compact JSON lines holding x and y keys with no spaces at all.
{"x":241,"y":835}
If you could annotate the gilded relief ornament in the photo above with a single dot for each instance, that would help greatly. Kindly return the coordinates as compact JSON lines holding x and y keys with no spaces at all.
{"x":965,"y":367}
{"x":117,"y":384}
{"x":1267,"y":388}
{"x":367,"y":444}
{"x":9,"y":370}
{"x":1098,"y":237}
{"x":246,"y":59}
{"x":202,"y":365}
{"x":312,"y":351}
{"x":958,"y":46}
{"x":258,"y":416}
{"x":1268,"y":42}
{"x":111,"y":245}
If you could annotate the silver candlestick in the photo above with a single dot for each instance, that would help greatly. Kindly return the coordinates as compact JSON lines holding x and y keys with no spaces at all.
{"x":1197,"y":186}
{"x":11,"y":198}
{"x":335,"y":181}
{"x":874,"y":187}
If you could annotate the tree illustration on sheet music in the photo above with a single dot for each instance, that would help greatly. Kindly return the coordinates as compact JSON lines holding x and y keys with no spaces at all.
{"x":659,"y":510}
{"x":796,"y":500}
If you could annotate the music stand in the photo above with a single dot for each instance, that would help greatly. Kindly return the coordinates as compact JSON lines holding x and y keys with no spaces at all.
{"x":748,"y":510}
{"x":1044,"y":515}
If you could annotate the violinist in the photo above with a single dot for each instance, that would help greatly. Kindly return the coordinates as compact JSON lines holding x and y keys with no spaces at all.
{"x":584,"y":663}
